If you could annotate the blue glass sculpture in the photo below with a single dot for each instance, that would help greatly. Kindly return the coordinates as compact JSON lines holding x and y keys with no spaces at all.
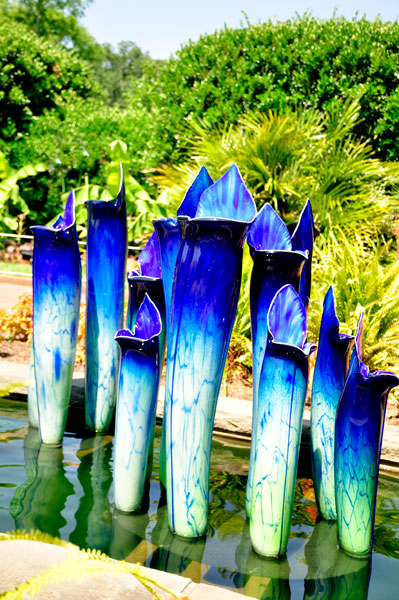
{"x":282,"y":393}
{"x":106,"y":268}
{"x":358,"y":436}
{"x":302,"y":239}
{"x":328,"y":383}
{"x":147,"y":281}
{"x":275,"y":264}
{"x":57,"y":278}
{"x":169,"y":240}
{"x":204,"y":302}
{"x":137,"y":397}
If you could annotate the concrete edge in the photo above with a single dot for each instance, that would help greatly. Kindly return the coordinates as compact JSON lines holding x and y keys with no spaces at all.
{"x":20,"y":560}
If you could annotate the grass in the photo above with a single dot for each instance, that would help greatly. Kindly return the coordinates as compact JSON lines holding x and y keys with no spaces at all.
{"x":16,"y":267}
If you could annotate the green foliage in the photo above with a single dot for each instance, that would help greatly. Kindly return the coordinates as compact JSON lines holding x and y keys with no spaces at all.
{"x":77,"y":565}
{"x":141,"y":208}
{"x":13,"y":208}
{"x":34,"y":75}
{"x":118,"y":69}
{"x":288,"y":157}
{"x":303,"y":62}
{"x":360,"y":281}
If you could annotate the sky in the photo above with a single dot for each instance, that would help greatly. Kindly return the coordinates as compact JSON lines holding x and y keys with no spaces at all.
{"x":160,"y":27}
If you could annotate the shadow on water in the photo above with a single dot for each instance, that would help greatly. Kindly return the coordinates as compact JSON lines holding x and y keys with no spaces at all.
{"x":332,"y":573}
{"x":47,"y":490}
{"x":39,"y":502}
{"x":93,"y":517}
{"x":175,"y":554}
{"x":128,"y":537}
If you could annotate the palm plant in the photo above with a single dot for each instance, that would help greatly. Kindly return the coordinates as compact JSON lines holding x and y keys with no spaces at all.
{"x":361,"y":282}
{"x":286,"y":158}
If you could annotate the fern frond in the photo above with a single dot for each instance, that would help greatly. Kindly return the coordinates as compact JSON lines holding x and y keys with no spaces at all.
{"x":78,"y":565}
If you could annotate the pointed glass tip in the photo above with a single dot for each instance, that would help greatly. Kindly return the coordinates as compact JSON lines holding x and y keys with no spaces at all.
{"x":303,"y":236}
{"x":286,"y":318}
{"x":268,"y":231}
{"x":227,"y":198}
{"x":149,"y":259}
{"x":189,"y":205}
{"x":148,"y":321}
{"x":62,"y":222}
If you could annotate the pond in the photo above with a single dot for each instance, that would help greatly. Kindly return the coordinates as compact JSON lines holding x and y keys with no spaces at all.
{"x":68,"y":492}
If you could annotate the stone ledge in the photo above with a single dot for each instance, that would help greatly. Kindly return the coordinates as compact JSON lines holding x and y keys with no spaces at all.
{"x":20,"y":560}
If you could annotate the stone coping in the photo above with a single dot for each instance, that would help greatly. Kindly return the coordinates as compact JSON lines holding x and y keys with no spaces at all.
{"x":233,"y":417}
{"x":20,"y":560}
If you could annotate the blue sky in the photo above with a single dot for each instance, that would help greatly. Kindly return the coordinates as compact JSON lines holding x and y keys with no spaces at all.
{"x":160,"y":27}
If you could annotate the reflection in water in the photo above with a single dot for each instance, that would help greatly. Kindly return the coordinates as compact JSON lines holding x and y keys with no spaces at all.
{"x":260,"y":577}
{"x":93,"y":517}
{"x":175,"y":554}
{"x":39,"y":502}
{"x":128,"y":533}
{"x":332,"y":573}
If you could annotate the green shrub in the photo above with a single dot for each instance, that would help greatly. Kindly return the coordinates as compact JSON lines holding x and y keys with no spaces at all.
{"x":288,"y":157}
{"x":33,"y":74}
{"x":303,"y":62}
{"x":360,"y":281}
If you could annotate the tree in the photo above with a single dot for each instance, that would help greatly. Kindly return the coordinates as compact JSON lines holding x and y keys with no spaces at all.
{"x":34,"y":74}
{"x":118,"y":69}
{"x":55,"y":20}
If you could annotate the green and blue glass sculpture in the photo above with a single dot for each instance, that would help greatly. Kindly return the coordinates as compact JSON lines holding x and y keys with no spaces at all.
{"x":57,"y":278}
{"x":328,"y":382}
{"x":106,"y":268}
{"x":358,"y":436}
{"x":169,"y":237}
{"x":282,"y":392}
{"x":147,"y":281}
{"x":169,"y":240}
{"x":204,"y":301}
{"x":276,"y":264}
{"x":302,"y":239}
{"x":135,"y":411}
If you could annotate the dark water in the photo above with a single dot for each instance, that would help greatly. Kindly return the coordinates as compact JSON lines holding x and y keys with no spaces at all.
{"x":68,"y":493}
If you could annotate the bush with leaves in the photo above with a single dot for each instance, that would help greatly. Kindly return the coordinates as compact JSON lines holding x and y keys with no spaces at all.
{"x":288,"y":157}
{"x":361,"y":281}
{"x":303,"y":62}
{"x":33,"y":74}
{"x":13,"y":207}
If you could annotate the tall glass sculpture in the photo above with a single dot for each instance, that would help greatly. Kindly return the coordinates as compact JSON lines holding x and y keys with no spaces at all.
{"x":169,"y":240}
{"x":302,"y":239}
{"x":57,"y":277}
{"x":282,"y":393}
{"x":106,"y":268}
{"x":358,"y":436}
{"x":137,"y":397}
{"x":276,"y":263}
{"x":204,"y":301}
{"x":328,"y":383}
